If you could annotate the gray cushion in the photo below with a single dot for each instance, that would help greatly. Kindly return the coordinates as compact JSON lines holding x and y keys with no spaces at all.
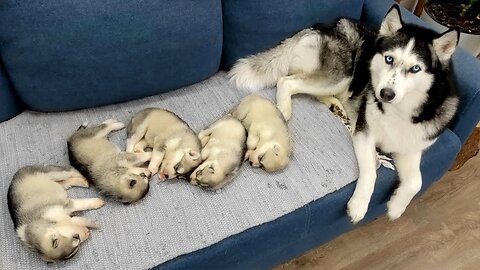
{"x":176,"y":218}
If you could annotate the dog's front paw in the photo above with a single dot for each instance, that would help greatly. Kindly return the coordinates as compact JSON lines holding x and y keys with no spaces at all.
{"x":357,"y":208}
{"x":395,"y":209}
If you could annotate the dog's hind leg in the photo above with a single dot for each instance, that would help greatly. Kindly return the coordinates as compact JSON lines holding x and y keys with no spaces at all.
{"x":408,"y":167}
{"x":158,"y":153}
{"x":109,"y":126}
{"x":84,"y":222}
{"x":312,"y":84}
{"x":66,"y":176}
{"x":75,"y":205}
{"x":136,"y":137}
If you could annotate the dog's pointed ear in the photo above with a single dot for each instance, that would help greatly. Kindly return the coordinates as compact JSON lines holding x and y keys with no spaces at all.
{"x":392,"y":22}
{"x":445,"y":44}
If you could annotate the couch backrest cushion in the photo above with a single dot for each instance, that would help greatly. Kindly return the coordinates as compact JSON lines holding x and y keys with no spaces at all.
{"x":251,"y":26}
{"x":69,"y":54}
{"x":9,"y":104}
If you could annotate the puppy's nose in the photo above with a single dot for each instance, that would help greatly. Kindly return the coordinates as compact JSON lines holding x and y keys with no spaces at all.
{"x":387,"y":94}
{"x":251,"y":163}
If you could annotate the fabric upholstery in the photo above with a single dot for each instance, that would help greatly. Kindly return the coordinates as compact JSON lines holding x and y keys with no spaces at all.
{"x":175,"y":217}
{"x":9,"y":104}
{"x":69,"y":54}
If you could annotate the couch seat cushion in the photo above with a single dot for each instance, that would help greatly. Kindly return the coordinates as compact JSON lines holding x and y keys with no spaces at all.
{"x":176,"y":218}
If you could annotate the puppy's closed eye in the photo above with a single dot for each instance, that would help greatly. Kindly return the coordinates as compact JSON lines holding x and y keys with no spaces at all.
{"x":132,"y":183}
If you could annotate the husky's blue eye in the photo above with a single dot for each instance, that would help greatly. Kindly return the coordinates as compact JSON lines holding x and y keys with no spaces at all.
{"x":415,"y":69}
{"x":389,"y":59}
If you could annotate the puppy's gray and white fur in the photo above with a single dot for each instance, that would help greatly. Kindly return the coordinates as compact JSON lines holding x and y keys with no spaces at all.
{"x":42,"y":212}
{"x":224,"y":147}
{"x":395,"y":84}
{"x":175,"y":146}
{"x":268,"y":141}
{"x":115,"y":173}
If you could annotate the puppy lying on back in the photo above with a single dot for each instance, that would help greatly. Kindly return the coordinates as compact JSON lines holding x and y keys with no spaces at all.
{"x":41,"y":210}
{"x":268,"y":142}
{"x":223,"y":152}
{"x":175,"y":145}
{"x":115,"y":173}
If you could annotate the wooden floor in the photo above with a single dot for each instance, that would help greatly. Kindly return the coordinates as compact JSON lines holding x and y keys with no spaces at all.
{"x":439,"y":230}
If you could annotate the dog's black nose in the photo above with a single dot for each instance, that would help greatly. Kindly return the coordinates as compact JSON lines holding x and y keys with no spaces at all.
{"x":387,"y":94}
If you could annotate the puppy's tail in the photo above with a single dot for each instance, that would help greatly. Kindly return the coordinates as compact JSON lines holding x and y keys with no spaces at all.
{"x":264,"y":69}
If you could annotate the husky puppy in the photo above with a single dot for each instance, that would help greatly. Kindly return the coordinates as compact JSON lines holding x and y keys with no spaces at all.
{"x":42,"y":212}
{"x":176,"y":148}
{"x":268,"y":142}
{"x":394,"y":82}
{"x":224,"y":146}
{"x":115,"y":173}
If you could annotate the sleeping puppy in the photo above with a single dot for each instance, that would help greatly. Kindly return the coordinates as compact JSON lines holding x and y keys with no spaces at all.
{"x":268,"y":142}
{"x":176,"y":148}
{"x":223,"y":151}
{"x":115,"y":173}
{"x":42,"y":212}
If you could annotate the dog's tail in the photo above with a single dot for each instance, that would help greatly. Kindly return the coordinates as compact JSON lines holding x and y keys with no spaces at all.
{"x":264,"y":69}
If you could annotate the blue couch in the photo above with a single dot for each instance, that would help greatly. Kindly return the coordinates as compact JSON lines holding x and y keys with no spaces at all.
{"x":54,"y":57}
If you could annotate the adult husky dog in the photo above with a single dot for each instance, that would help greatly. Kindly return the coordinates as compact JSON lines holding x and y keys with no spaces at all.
{"x":395,"y":84}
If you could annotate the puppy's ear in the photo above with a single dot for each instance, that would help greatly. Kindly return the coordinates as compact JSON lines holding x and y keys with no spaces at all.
{"x":276,"y":149}
{"x":445,"y":45}
{"x":194,"y":155}
{"x":211,"y":168}
{"x":392,"y":22}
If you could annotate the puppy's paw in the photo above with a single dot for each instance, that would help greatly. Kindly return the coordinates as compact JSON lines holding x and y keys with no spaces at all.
{"x":395,"y":209}
{"x":357,"y":208}
{"x":204,"y":140}
{"x":114,"y":124}
{"x":98,"y":203}
{"x":153,"y":169}
{"x":110,"y":121}
{"x":85,"y":223}
{"x":247,"y":154}
{"x":138,"y":148}
{"x":162,"y":177}
{"x":78,"y":181}
{"x":84,"y":234}
{"x":146,"y":172}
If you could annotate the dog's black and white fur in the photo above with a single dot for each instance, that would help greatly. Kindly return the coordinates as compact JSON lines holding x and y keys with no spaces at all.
{"x":395,"y":84}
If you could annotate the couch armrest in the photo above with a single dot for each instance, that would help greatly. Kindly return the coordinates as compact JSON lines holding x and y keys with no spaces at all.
{"x":466,"y":70}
